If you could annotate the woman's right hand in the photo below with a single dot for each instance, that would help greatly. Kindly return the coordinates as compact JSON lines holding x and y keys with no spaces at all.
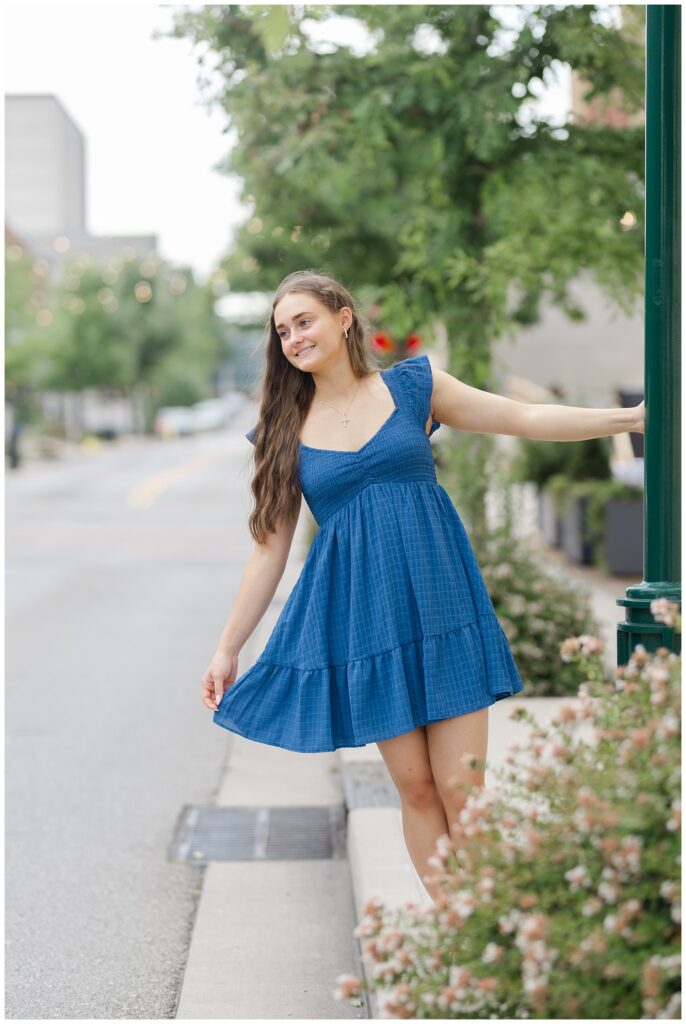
{"x":221,"y":672}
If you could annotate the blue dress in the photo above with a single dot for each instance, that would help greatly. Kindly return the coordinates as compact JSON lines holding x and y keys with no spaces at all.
{"x":389,"y":625}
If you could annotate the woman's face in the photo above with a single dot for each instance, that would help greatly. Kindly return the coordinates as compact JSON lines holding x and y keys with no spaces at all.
{"x":310,"y":333}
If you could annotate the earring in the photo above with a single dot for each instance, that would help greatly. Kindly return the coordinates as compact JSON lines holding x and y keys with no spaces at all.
{"x":345,"y":331}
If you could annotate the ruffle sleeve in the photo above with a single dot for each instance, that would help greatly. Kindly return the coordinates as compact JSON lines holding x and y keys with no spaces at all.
{"x":416,"y":378}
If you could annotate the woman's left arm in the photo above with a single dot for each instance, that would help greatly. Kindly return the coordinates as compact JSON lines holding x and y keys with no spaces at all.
{"x":466,"y":408}
{"x":572,"y":423}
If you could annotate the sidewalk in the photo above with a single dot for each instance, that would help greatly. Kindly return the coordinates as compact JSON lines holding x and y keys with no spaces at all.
{"x":270,"y":937}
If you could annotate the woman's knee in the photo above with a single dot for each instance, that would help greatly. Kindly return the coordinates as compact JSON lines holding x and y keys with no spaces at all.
{"x":420,"y":793}
{"x":407,"y":760}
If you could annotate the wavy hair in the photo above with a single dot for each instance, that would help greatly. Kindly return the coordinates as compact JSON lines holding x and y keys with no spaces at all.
{"x":285,"y":395}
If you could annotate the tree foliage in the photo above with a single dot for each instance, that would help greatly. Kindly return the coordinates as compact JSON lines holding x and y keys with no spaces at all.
{"x":415,"y":176}
{"x":136,"y":326}
{"x":416,"y":172}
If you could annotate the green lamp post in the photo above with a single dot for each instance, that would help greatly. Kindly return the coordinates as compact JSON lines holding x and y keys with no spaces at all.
{"x":662,"y":507}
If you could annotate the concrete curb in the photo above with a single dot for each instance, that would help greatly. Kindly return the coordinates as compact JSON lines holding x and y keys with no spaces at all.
{"x":380,"y":866}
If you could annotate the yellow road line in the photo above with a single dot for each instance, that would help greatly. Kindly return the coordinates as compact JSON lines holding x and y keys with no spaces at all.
{"x":143,"y":495}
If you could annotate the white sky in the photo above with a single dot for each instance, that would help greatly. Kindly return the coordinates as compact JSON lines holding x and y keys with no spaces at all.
{"x":151,"y":144}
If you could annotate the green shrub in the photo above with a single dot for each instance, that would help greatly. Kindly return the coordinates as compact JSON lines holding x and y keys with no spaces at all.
{"x":537,"y":461}
{"x":560,"y":488}
{"x":536,"y":610}
{"x":178,"y":382}
{"x":587,"y":460}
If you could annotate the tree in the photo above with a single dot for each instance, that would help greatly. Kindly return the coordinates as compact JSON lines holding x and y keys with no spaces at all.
{"x":413,"y":173}
{"x":28,"y":298}
{"x":134,"y":325}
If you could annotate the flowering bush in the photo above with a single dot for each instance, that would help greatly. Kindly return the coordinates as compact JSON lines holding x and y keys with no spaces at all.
{"x":535,"y":610}
{"x":559,"y":888}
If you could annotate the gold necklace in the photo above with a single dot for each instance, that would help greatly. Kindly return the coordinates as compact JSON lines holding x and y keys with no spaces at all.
{"x":345,"y":419}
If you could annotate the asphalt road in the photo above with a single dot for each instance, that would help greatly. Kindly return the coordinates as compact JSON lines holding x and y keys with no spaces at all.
{"x":121,"y":565}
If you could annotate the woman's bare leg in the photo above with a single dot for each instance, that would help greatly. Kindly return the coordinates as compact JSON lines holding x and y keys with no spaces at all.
{"x":423,"y":813}
{"x":448,"y":741}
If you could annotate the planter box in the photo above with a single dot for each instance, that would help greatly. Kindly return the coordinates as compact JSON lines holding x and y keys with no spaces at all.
{"x":624,"y":535}
{"x":573,"y":543}
{"x":549,"y":522}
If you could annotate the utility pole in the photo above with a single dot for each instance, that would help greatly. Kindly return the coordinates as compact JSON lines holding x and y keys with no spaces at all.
{"x":662,"y":443}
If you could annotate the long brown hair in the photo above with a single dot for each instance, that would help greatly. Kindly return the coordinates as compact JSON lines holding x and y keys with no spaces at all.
{"x":286,"y":395}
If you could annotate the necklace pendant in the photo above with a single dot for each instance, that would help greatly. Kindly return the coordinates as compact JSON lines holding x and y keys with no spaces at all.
{"x":345,"y":420}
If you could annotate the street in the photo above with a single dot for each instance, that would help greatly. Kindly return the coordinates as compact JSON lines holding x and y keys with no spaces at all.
{"x":120,"y":568}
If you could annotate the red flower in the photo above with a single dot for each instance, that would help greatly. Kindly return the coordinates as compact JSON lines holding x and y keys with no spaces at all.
{"x":413,"y":342}
{"x":383,"y":341}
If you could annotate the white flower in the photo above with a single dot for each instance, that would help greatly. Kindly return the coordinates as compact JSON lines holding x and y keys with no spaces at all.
{"x":591,"y":906}
{"x":672,"y":1010}
{"x":577,"y":877}
{"x":458,"y":976}
{"x":491,"y":953}
{"x":607,"y":892}
{"x":508,"y":922}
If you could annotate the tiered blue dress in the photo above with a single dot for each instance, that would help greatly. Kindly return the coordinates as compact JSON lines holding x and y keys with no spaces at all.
{"x":389,"y":625}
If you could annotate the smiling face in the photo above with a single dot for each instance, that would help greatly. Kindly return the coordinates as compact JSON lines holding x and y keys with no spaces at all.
{"x":310,"y":333}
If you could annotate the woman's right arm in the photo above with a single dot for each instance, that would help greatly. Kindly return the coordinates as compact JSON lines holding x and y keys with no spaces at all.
{"x":256,"y":590}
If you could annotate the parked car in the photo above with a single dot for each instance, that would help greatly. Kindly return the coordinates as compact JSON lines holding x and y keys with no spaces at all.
{"x":174,"y":421}
{"x":233,"y":400}
{"x":210,"y":414}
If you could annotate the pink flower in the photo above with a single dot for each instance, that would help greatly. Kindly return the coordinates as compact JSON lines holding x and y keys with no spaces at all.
{"x":348,"y":985}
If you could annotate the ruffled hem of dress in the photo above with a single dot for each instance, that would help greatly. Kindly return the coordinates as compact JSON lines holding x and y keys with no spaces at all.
{"x":314,"y":710}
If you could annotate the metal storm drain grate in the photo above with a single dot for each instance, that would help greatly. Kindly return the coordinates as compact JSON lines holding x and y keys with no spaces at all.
{"x":368,"y":784}
{"x":260,"y":833}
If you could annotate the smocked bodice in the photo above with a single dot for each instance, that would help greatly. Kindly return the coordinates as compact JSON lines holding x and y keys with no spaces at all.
{"x":399,"y":451}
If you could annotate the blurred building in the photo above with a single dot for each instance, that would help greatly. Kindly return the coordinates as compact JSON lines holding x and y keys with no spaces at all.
{"x":607,"y":110}
{"x":45,"y":184}
{"x":45,"y":217}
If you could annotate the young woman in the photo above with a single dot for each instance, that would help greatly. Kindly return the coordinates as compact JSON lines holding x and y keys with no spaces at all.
{"x":389,"y":634}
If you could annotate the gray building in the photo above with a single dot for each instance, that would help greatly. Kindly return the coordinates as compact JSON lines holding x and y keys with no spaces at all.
{"x":45,"y":184}
{"x":45,"y":215}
